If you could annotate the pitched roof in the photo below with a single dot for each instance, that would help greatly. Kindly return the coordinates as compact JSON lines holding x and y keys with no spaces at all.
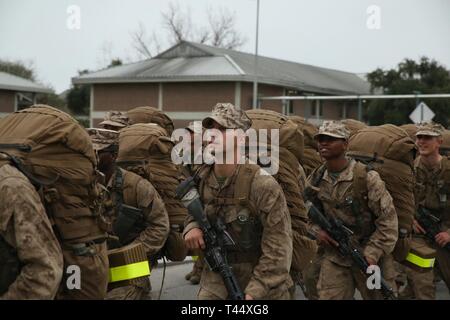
{"x":188,"y":61}
{"x":15,"y":83}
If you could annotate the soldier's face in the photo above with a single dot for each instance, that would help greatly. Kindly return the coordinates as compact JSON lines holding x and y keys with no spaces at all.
{"x":428,"y":145}
{"x":105,"y":161}
{"x":110,"y":127}
{"x":330,"y":147}
{"x":227,"y":143}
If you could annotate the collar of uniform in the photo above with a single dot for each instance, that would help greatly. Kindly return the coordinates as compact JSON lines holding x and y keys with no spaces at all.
{"x":346,"y":175}
{"x":215,"y":184}
{"x":422,"y":166}
{"x":109,"y":184}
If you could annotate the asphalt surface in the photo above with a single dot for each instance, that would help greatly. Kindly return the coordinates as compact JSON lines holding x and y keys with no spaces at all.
{"x":175,"y":286}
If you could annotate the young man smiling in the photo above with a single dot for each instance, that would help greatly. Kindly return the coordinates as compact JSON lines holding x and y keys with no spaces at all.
{"x":374,"y":225}
{"x":432,"y":189}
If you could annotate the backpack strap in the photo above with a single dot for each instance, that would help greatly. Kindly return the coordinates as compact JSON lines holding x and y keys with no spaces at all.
{"x":243,"y":185}
{"x":360,"y":196}
{"x":118,"y":189}
{"x":444,"y":182}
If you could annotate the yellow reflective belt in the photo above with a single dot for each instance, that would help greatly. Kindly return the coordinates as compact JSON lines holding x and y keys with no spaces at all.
{"x":419,"y":261}
{"x":129,"y":271}
{"x":195,"y":258}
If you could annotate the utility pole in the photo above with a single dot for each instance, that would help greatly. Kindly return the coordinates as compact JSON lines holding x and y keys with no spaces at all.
{"x":255,"y":82}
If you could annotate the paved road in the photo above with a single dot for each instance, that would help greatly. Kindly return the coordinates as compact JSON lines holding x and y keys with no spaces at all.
{"x":177,"y":288}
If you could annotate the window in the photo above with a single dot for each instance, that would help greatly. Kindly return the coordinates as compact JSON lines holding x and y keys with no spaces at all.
{"x":290,"y":107}
{"x":343,"y":111}
{"x":314,"y":108}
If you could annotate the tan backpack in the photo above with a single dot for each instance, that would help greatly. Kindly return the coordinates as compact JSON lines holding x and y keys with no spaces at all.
{"x":56,"y":154}
{"x":311,"y":159}
{"x":151,"y":115}
{"x":290,"y":155}
{"x":146,"y":150}
{"x":53,"y":146}
{"x":353,"y":125}
{"x":390,"y":151}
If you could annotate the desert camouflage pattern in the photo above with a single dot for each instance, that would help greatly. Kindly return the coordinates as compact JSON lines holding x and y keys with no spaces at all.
{"x":430,"y":128}
{"x":334,"y":129}
{"x":25,"y":226}
{"x":139,"y":193}
{"x":103,"y":138}
{"x":430,"y":190}
{"x":336,"y":270}
{"x":117,"y":119}
{"x":228,"y":116}
{"x":267,"y":277}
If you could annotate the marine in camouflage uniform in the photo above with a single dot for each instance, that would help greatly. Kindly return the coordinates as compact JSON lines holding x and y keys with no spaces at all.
{"x":189,"y":169}
{"x":375,"y":231}
{"x":432,"y":172}
{"x":151,"y":230}
{"x":259,"y":222}
{"x":35,"y":264}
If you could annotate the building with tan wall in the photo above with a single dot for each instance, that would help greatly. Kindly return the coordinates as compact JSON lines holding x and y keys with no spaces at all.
{"x":188,"y":79}
{"x":17,"y":93}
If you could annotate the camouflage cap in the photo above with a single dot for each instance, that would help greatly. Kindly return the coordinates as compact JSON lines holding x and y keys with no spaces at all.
{"x":194,"y":127}
{"x":228,"y":116}
{"x":334,"y":129}
{"x":116,"y":119}
{"x":103,"y":138}
{"x":430,"y":129}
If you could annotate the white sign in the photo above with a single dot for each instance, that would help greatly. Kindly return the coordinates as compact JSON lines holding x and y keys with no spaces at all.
{"x":421,"y":113}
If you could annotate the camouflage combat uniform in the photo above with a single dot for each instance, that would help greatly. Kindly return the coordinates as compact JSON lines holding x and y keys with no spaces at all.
{"x":25,"y":227}
{"x":152,"y":232}
{"x":260,"y":226}
{"x":338,"y":276}
{"x":429,"y":190}
{"x":189,"y":169}
{"x":139,"y":193}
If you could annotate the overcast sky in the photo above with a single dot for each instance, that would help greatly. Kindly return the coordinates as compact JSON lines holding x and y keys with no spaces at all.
{"x":340,"y":34}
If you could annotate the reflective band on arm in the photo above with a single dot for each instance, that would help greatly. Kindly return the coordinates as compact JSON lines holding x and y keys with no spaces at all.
{"x":419,"y":261}
{"x":195,"y":258}
{"x":129,"y":271}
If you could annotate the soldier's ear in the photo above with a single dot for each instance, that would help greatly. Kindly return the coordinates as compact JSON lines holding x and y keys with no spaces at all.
{"x":345,"y":143}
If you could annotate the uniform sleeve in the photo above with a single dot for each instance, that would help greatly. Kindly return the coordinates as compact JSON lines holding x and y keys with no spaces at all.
{"x":272,"y":270}
{"x":380,"y":202}
{"x":30,"y":232}
{"x":155,"y":234}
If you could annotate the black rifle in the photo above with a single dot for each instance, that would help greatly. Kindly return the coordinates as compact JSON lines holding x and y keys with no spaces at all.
{"x":341,"y":234}
{"x":215,"y":238}
{"x":430,"y":223}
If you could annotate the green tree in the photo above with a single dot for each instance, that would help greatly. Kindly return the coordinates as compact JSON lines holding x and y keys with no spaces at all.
{"x":424,"y":76}
{"x":17,"y":68}
{"x":78,"y":97}
{"x":115,"y":62}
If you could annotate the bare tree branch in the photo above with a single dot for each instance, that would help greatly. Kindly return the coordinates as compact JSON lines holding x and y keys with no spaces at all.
{"x":223,"y":29}
{"x":140,"y":42}
{"x":220,"y":31}
{"x":177,"y":23}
